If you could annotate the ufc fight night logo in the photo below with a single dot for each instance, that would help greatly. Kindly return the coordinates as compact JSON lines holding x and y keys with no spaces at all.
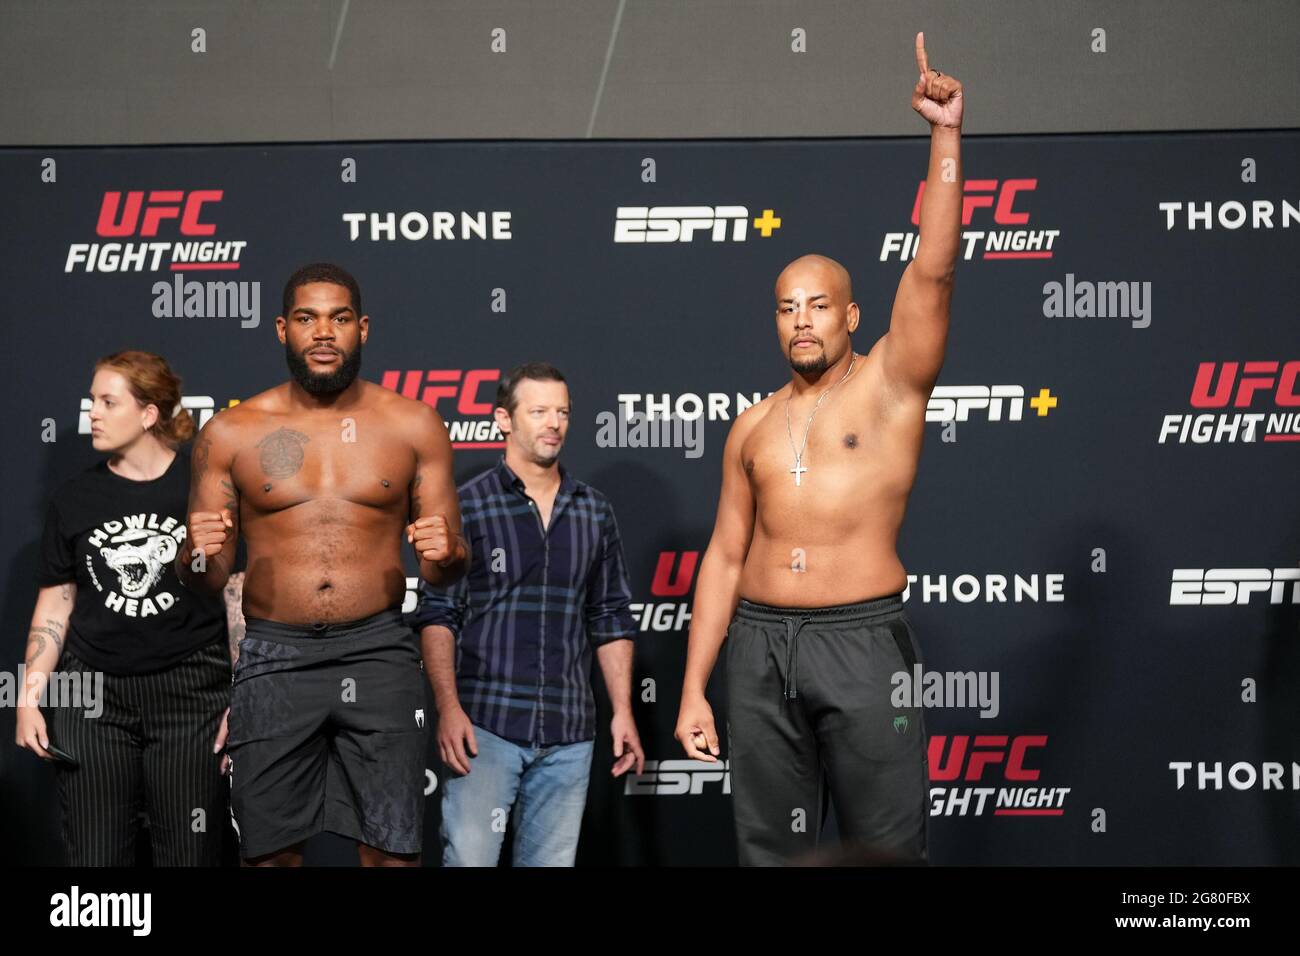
{"x":970,"y":759}
{"x":1003,"y":204}
{"x":135,"y":221}
{"x":474,"y":392}
{"x":1264,"y":397}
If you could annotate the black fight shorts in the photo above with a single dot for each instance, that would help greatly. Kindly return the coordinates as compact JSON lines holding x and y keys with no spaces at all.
{"x":327,"y":732}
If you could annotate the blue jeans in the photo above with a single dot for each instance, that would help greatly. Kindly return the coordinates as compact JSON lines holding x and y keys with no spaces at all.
{"x":546,"y":787}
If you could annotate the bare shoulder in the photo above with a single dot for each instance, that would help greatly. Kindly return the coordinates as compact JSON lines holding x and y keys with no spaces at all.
{"x":749,"y":421}
{"x":413,"y":418}
{"x":876,"y":388}
{"x":751,"y":417}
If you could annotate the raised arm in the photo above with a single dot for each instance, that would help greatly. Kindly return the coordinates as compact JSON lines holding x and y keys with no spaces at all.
{"x":434,"y":530}
{"x":918,"y":328}
{"x":204,"y":564}
{"x":717,"y":590}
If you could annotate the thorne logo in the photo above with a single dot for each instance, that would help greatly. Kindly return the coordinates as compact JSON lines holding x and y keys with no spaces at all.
{"x":474,"y":391}
{"x":1241,"y":775}
{"x":1004,"y":204}
{"x":1206,"y":586}
{"x":388,"y":227}
{"x":142,"y":214}
{"x":956,"y":402}
{"x":968,"y":759}
{"x":688,"y":406}
{"x":1266,"y":395}
{"x":638,"y":224}
{"x":201,"y":407}
{"x":674,"y":575}
{"x":1252,"y":214}
{"x":988,"y":588}
{"x":664,"y":778}
{"x":74,"y":909}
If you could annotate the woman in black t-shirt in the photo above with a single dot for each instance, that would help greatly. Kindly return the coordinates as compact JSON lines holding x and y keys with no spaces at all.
{"x":143,"y":675}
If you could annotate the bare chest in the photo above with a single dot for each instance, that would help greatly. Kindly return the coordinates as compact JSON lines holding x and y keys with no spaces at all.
{"x":355,"y":459}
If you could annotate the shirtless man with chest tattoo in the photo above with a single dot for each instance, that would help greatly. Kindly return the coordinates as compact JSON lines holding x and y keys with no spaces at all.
{"x":803,"y":560}
{"x":324,"y":476}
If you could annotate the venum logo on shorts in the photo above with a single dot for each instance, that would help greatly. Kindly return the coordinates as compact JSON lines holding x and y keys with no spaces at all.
{"x":419,"y":717}
{"x":135,"y":550}
{"x":968,"y":759}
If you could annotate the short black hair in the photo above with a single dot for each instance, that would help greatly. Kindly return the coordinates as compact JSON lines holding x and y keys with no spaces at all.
{"x":322,"y":272}
{"x":537,"y":371}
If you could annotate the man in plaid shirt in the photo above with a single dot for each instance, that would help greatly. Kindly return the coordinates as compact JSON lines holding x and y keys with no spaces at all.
{"x":508,"y":648}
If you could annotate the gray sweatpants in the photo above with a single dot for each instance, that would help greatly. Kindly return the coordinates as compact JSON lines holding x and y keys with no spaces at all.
{"x":809,"y":718}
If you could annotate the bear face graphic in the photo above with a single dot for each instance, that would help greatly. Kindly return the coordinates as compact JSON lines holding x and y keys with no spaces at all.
{"x":139,"y":560}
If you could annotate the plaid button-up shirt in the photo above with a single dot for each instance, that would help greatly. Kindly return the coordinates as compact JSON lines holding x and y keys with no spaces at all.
{"x":532,"y":606}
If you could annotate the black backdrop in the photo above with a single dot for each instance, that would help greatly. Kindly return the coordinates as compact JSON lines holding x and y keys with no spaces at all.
{"x":1105,"y":678}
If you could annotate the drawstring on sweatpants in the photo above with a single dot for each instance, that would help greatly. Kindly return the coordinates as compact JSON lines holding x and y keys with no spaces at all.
{"x":792,"y":636}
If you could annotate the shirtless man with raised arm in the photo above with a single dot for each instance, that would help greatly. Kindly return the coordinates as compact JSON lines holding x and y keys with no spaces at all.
{"x":324,"y":475}
{"x":815,"y":483}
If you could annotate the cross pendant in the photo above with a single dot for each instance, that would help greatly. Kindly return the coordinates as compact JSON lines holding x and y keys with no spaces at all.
{"x":797,"y":471}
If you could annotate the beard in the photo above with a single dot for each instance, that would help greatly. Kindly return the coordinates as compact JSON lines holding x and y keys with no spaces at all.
{"x":324,"y":383}
{"x":809,"y":365}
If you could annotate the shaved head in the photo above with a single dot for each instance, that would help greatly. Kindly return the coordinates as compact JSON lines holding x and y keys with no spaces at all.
{"x":816,"y":270}
{"x":815,"y":314}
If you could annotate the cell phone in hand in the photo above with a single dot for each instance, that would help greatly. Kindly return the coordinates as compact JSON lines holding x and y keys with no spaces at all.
{"x":62,"y":756}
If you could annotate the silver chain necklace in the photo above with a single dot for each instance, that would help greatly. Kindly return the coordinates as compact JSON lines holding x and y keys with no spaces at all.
{"x":799,"y":468}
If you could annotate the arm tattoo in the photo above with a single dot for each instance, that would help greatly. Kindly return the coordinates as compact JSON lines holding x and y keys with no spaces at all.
{"x":282,"y":452}
{"x":52,"y":628}
{"x":415,"y":497}
{"x":232,"y":497}
{"x":234,"y":594}
{"x":202,"y":449}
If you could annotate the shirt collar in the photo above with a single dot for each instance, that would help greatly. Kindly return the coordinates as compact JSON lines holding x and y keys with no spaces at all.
{"x":510,"y":481}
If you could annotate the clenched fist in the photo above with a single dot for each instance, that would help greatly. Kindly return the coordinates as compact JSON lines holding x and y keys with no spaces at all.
{"x":433,"y":540}
{"x":207,"y":530}
{"x":936,"y":97}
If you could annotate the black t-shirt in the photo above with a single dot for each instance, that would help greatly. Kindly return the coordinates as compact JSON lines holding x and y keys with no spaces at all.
{"x":117,"y":538}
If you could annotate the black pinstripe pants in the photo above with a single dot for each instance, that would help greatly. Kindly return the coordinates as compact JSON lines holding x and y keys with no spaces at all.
{"x":150,"y":749}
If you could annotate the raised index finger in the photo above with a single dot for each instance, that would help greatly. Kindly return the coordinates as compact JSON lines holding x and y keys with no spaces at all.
{"x":922,"y":63}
